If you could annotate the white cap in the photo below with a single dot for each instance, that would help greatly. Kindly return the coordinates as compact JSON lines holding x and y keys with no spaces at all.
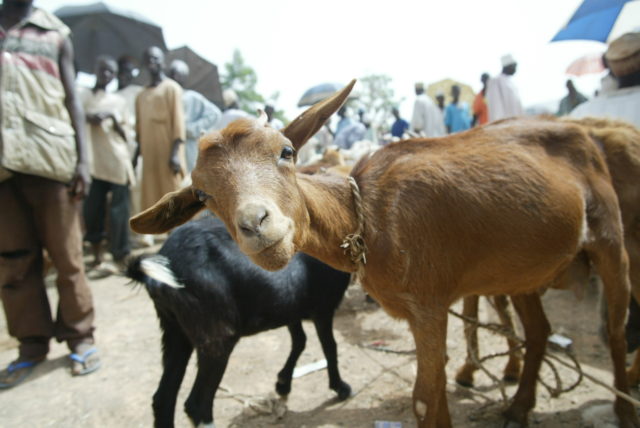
{"x":229,"y":96}
{"x":507,"y":60}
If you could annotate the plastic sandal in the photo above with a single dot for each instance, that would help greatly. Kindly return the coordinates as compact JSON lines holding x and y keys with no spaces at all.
{"x":85,"y":364}
{"x":16,"y":372}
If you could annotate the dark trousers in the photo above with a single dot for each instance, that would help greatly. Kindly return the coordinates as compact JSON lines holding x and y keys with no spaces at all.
{"x":95,"y":211}
{"x":37,"y":213}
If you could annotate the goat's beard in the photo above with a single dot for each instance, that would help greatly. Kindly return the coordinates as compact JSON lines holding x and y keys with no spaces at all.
{"x":276,"y":256}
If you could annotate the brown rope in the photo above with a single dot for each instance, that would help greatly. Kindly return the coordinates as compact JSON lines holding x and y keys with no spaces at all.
{"x":548,"y":358}
{"x":353,"y":244}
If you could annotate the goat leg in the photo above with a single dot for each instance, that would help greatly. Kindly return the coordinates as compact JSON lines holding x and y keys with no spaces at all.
{"x":298,"y":342}
{"x":512,"y":369}
{"x":429,"y":392}
{"x":536,"y":329}
{"x":464,"y":376}
{"x":176,"y":351}
{"x":211,"y":367}
{"x":324,"y":328}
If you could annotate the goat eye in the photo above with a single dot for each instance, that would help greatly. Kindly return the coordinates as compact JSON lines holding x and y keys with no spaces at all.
{"x":202,"y":197}
{"x":287,"y":153}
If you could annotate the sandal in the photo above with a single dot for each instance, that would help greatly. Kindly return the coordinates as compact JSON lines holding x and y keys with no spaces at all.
{"x":86,"y":363}
{"x":16,"y":372}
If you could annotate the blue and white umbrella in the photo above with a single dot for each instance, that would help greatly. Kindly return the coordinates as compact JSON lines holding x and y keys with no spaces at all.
{"x":601,"y":20}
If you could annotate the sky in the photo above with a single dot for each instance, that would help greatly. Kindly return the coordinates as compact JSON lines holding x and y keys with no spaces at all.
{"x":295,"y":44}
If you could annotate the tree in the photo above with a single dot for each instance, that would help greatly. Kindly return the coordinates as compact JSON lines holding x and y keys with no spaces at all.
{"x":376,"y":97}
{"x":242,"y":79}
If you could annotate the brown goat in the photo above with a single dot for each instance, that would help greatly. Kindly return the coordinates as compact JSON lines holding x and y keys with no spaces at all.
{"x":495,"y":210}
{"x":620,"y":143}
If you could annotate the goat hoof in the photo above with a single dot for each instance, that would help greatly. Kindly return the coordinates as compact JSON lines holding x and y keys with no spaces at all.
{"x":515,"y":418}
{"x":283,"y":388}
{"x":343,"y":390}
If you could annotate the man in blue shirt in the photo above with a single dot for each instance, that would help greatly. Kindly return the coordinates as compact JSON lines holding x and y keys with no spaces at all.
{"x":456,"y":116}
{"x":400,"y":126}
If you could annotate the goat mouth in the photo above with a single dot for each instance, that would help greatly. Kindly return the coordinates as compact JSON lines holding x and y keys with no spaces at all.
{"x":275,"y":256}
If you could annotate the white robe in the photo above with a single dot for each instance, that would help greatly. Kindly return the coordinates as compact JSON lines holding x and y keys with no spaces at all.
{"x":502,"y":98}
{"x":427,"y":118}
{"x":621,"y":104}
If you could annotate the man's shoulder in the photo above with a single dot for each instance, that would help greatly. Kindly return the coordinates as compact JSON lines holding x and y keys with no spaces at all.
{"x":48,"y":21}
{"x":170,"y":85}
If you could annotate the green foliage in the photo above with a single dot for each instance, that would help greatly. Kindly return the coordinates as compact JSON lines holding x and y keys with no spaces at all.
{"x":242,"y":79}
{"x":377,"y":98}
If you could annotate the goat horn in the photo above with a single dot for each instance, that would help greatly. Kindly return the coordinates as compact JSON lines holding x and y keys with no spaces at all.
{"x":263,"y":119}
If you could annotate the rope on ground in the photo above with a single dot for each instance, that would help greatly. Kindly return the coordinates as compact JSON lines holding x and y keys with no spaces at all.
{"x":548,"y":359}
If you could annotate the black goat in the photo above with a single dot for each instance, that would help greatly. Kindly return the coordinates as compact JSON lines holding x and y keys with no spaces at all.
{"x":208,"y":295}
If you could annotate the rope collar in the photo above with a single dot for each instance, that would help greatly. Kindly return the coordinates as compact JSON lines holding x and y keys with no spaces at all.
{"x":353,"y":244}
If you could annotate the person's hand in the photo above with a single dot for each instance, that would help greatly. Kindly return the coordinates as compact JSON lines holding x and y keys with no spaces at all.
{"x":79,"y":187}
{"x":174,"y":164}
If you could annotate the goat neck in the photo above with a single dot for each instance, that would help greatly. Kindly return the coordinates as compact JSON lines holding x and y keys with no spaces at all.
{"x":330,"y":204}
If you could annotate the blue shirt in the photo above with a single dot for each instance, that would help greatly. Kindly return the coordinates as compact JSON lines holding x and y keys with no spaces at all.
{"x":457,"y":117}
{"x":399,"y":127}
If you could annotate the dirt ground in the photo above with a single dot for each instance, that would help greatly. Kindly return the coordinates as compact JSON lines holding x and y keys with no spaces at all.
{"x":119,"y":394}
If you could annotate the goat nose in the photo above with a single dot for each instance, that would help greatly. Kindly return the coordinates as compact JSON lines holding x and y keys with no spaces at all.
{"x":251,"y":218}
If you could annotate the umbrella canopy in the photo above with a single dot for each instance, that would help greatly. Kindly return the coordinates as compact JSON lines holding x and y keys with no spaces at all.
{"x":601,"y":20}
{"x":466,"y":92}
{"x":586,"y":64}
{"x":99,"y":29}
{"x":320,"y":92}
{"x":203,"y":75}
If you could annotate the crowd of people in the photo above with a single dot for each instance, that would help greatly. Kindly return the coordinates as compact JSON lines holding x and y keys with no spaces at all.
{"x":77,"y":163}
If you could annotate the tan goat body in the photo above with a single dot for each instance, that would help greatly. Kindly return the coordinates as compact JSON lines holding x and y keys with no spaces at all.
{"x":502,"y":209}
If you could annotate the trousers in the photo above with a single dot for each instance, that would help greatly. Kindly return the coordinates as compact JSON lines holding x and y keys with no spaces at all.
{"x":95,"y":210}
{"x":36,"y":214}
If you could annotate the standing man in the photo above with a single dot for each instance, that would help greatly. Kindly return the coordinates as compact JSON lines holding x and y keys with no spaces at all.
{"x":622,"y":103}
{"x":456,"y":114}
{"x":344,"y":122}
{"x":440,"y":100}
{"x":480,"y":109}
{"x":201,"y":115}
{"x":572,"y":100}
{"x":161,"y":131}
{"x":272,"y":120}
{"x":232,"y":109}
{"x":400,"y":126}
{"x":502,"y":95}
{"x":44,"y":173}
{"x":427,"y":118}
{"x":111,"y":167}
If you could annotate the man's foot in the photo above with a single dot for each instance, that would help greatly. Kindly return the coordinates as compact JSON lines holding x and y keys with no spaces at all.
{"x":17,"y":371}
{"x":84,"y":359}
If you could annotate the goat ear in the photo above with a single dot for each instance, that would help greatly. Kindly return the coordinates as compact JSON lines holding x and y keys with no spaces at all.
{"x":308,"y":123}
{"x":172,"y":210}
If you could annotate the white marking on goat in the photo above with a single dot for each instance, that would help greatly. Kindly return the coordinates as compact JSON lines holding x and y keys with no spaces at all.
{"x":209,"y":425}
{"x":585,"y":233}
{"x":157,"y":267}
{"x":421,"y":409}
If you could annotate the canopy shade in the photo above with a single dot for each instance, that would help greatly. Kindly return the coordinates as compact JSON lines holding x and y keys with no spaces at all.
{"x":99,"y":29}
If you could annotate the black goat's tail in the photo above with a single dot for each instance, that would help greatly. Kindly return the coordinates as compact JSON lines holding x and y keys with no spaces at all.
{"x":153,"y":271}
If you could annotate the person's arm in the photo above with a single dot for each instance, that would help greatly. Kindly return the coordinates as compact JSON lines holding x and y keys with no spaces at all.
{"x":82,"y":177}
{"x":117,"y":126}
